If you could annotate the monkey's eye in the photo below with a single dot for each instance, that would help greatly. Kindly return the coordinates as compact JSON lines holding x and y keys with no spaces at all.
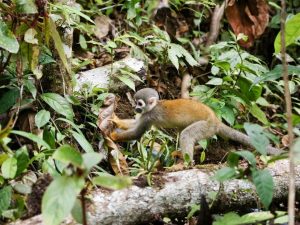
{"x":140,"y":103}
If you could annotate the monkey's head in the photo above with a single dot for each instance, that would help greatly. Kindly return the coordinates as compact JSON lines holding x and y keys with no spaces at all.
{"x":145,"y":99}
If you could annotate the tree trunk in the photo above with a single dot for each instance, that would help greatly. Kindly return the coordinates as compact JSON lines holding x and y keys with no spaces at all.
{"x":173,"y":193}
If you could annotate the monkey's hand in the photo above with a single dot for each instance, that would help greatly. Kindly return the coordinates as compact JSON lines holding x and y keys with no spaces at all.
{"x":123,"y":124}
{"x":114,"y":135}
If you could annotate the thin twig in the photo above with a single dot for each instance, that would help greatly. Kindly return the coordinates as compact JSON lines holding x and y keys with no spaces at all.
{"x":287,"y":96}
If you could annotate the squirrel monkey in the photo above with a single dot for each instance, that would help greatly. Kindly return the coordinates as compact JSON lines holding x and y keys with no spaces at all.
{"x":195,"y":120}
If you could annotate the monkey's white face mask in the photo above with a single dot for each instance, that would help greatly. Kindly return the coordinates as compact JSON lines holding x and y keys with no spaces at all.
{"x":143,"y":107}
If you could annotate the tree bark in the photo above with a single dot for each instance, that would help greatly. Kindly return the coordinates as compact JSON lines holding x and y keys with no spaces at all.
{"x":173,"y":193}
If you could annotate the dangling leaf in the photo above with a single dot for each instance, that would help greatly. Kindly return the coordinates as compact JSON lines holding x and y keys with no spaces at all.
{"x":8,"y":40}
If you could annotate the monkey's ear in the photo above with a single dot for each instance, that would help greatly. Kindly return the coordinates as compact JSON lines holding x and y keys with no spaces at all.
{"x":152,"y":100}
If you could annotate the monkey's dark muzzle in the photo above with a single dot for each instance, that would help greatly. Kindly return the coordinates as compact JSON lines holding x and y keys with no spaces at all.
{"x":138,"y":110}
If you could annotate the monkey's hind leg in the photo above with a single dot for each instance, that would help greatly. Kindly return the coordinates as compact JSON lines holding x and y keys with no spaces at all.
{"x":195,"y":132}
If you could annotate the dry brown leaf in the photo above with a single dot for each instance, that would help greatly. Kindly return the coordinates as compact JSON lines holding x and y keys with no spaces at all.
{"x":103,"y":26}
{"x":106,"y":114}
{"x":249,"y":17}
{"x":285,"y":140}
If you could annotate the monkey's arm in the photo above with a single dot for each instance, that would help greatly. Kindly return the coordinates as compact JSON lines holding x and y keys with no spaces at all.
{"x":235,"y":135}
{"x":123,"y":124}
{"x":134,"y":133}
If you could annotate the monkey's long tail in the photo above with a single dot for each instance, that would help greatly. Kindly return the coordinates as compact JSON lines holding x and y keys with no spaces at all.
{"x":230,"y":133}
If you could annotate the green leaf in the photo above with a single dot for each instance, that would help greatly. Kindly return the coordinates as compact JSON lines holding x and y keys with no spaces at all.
{"x":91,"y":159}
{"x":23,"y":160}
{"x":59,"y":104}
{"x":292,"y":33}
{"x":5,"y":198}
{"x":296,"y":149}
{"x":127,"y":80}
{"x":26,"y":7}
{"x":80,"y":138}
{"x":249,"y":156}
{"x":264,"y":184}
{"x":67,"y":154}
{"x":177,"y":51}
{"x":9,"y":168}
{"x":42,"y":118}
{"x":225,"y":173}
{"x":230,"y":218}
{"x":49,"y":137}
{"x":82,"y":42}
{"x":228,"y":114}
{"x":215,"y":81}
{"x":112,"y":182}
{"x":258,"y":114}
{"x":257,"y":137}
{"x":8,"y":40}
{"x":252,"y":92}
{"x":77,"y":212}
{"x":9,"y":98}
{"x":60,"y":198}
{"x":276,"y":73}
{"x":58,"y":44}
{"x":30,"y":87}
{"x":32,"y":137}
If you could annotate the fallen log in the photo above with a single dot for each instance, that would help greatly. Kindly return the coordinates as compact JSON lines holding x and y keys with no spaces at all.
{"x":174,"y":194}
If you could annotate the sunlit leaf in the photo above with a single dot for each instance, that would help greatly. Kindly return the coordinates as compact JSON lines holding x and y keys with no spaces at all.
{"x":42,"y":118}
{"x":112,"y":182}
{"x":67,"y":154}
{"x":59,"y":104}
{"x":60,"y":198}
{"x":292,"y":32}
{"x":7,"y":39}
{"x":26,"y":6}
{"x":9,"y":168}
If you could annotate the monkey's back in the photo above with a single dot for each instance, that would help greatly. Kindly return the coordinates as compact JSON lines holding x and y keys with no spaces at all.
{"x":180,"y":113}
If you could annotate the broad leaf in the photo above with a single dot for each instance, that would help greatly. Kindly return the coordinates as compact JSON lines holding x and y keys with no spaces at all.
{"x":249,"y":156}
{"x":251,"y":92}
{"x":7,"y":39}
{"x":60,"y":198}
{"x":26,"y":6}
{"x":177,"y":51}
{"x":67,"y":154}
{"x":59,"y":104}
{"x":5,"y":198}
{"x":257,"y":137}
{"x":9,"y":168}
{"x":127,"y":80}
{"x":258,"y":114}
{"x":112,"y":182}
{"x":42,"y":118}
{"x":264,"y":184}
{"x":225,"y":173}
{"x":292,"y":33}
{"x":91,"y":159}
